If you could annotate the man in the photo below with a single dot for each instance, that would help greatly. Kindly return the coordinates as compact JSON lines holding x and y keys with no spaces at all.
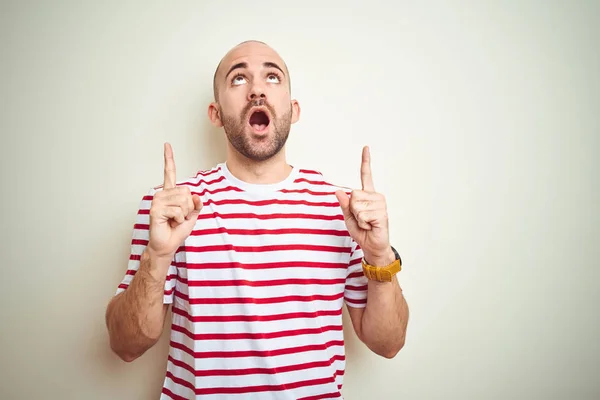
{"x":257,"y":258}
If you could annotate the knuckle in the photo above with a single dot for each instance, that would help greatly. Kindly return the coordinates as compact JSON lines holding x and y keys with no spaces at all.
{"x":158,"y":196}
{"x":360,"y":215}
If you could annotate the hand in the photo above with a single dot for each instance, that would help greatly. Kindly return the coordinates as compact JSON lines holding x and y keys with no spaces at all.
{"x":365,"y":214}
{"x":173,"y":213}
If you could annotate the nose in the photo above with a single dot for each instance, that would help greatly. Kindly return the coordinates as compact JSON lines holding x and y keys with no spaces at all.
{"x":256,"y":92}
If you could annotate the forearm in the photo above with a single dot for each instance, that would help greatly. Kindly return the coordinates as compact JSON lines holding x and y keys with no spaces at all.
{"x":135,"y":318}
{"x":385,"y":318}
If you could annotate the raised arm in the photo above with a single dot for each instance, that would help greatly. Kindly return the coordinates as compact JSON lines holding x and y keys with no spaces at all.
{"x":382,"y":324}
{"x":135,"y":317}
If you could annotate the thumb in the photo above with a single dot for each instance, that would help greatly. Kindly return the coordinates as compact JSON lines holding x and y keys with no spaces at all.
{"x":197,"y":206}
{"x":344,"y":203}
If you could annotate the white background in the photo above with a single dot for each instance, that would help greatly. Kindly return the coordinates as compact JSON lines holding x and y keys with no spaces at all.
{"x":483,"y":122}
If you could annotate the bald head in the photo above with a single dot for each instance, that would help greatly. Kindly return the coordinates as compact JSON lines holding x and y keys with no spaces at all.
{"x":240,"y":51}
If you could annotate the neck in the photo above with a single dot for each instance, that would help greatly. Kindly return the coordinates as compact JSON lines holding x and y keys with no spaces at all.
{"x":273,"y":170}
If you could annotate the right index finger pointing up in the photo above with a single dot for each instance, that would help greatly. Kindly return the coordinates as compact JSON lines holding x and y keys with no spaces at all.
{"x":169,"y":168}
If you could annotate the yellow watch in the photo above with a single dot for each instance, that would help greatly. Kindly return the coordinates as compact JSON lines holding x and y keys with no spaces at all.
{"x":382,"y":274}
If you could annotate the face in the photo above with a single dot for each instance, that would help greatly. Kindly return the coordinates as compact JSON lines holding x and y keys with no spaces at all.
{"x":254,"y":105}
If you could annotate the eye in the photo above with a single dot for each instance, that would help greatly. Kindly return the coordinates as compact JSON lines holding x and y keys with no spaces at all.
{"x":238,"y":80}
{"x":273,"y":78}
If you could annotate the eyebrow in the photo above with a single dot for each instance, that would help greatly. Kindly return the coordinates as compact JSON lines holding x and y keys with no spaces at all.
{"x":269,"y":64}
{"x":236,"y":66}
{"x":243,"y":65}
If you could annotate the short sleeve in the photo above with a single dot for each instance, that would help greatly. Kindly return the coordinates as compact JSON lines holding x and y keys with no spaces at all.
{"x":139,"y":241}
{"x":355,"y":292}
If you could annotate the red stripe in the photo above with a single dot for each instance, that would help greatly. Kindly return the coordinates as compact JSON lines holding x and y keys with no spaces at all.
{"x":299,"y":231}
{"x":271,"y":202}
{"x":273,"y":282}
{"x":285,"y":264}
{"x":196,"y":184}
{"x":180,"y":381}
{"x":248,"y":335}
{"x":139,"y":241}
{"x":256,"y":353}
{"x":309,"y":171}
{"x":355,"y":261}
{"x":212,"y":215}
{"x":262,"y":203}
{"x":253,"y":371}
{"x":307,"y":191}
{"x":147,"y":197}
{"x":332,"y":395}
{"x":248,"y":389}
{"x":354,"y":301}
{"x":261,"y":300}
{"x":219,"y":190}
{"x":299,"y":180}
{"x":141,"y":227}
{"x":172,"y":395}
{"x":260,"y":249}
{"x":357,"y":274}
{"x":189,"y":181}
{"x":236,"y":189}
{"x":360,"y":288}
{"x":248,"y":318}
{"x":208,"y":172}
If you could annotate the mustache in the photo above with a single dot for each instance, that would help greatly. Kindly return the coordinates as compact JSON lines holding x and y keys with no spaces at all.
{"x":260,"y":102}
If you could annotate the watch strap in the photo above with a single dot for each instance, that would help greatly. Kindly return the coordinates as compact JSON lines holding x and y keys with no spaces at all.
{"x":381,"y":274}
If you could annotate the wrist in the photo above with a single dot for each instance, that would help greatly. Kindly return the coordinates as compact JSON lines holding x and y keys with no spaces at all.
{"x":381,"y":260}
{"x":156,"y":265}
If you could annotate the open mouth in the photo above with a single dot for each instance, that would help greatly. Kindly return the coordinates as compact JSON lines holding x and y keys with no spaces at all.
{"x":259,"y":120}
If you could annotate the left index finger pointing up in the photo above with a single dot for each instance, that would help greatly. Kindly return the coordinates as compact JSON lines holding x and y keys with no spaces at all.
{"x":365,"y":171}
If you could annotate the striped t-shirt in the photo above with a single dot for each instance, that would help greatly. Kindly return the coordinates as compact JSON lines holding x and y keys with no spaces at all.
{"x":257,"y":289}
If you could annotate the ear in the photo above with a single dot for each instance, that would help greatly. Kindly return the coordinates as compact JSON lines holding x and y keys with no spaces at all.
{"x":214,"y":114}
{"x":295,"y":111}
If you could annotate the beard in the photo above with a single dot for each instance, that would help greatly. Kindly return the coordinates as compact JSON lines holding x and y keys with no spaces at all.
{"x":251,"y":148}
